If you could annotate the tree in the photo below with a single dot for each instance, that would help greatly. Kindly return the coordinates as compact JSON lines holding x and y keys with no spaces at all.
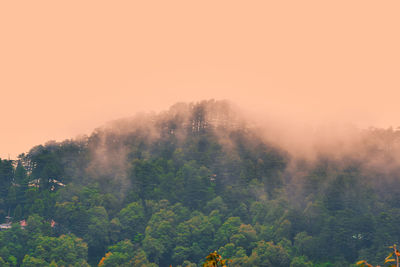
{"x":97,"y":235}
{"x":300,"y":262}
{"x":30,"y":261}
{"x":159,"y":236}
{"x":230,"y":227}
{"x":215,"y":260}
{"x":393,"y":257}
{"x":64,"y":249}
{"x":132,"y":219}
{"x":124,"y":254}
{"x":267,"y":254}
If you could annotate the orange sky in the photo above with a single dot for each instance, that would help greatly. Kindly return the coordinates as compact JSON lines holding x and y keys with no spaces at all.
{"x":66,"y":67}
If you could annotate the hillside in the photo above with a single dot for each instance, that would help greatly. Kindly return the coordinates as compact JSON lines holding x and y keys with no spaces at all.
{"x":169,"y":188}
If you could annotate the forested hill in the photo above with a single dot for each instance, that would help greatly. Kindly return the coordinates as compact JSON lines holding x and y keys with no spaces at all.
{"x":169,"y":188}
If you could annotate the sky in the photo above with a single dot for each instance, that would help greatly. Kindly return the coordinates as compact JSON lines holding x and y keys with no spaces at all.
{"x":67,"y":67}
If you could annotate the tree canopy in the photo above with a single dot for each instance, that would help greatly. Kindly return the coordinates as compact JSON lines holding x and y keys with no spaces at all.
{"x":169,"y":189}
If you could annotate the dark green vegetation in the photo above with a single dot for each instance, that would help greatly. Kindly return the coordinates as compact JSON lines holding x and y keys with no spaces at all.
{"x":171,"y":188}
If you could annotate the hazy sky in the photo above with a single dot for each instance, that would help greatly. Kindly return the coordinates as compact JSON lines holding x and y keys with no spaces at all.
{"x":66,"y":67}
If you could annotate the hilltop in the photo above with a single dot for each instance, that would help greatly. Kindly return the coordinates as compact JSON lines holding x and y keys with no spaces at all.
{"x":169,"y":188}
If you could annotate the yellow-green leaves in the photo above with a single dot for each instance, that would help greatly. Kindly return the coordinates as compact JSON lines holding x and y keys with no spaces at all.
{"x":215,"y":260}
{"x":364,"y":263}
{"x":388,"y":259}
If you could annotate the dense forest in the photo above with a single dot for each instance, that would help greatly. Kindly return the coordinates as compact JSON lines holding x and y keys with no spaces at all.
{"x":169,"y":188}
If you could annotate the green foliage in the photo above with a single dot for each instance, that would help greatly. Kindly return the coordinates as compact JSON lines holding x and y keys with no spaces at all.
{"x":64,"y":249}
{"x":300,"y":262}
{"x":30,"y":261}
{"x":124,"y":254}
{"x":169,"y":188}
{"x":228,"y":229}
{"x":132,"y":219}
{"x":270,"y":255}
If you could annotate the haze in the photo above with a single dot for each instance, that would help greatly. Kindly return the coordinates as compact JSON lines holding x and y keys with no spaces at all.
{"x":68,"y":67}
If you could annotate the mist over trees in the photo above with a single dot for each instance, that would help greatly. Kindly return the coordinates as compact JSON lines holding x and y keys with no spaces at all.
{"x":169,"y":188}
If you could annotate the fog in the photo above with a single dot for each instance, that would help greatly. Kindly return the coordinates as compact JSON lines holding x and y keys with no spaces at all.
{"x":111,"y":152}
{"x":301,"y":139}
